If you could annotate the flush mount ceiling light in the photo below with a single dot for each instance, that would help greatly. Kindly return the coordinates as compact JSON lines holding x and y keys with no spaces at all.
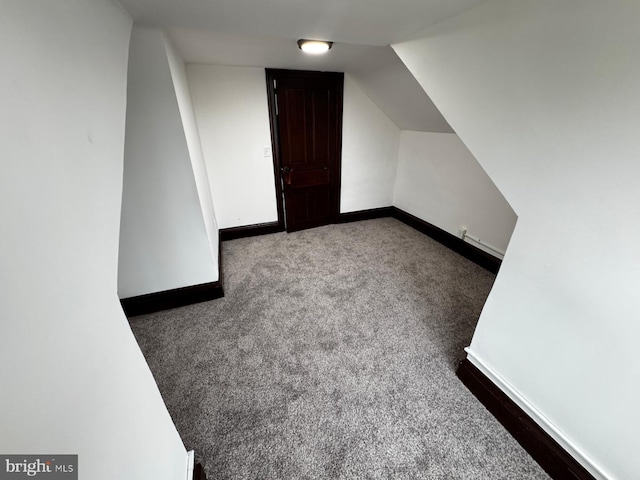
{"x":314,"y":47}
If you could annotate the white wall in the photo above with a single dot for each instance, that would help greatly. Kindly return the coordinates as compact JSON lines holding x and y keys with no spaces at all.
{"x":232,"y":114}
{"x":192,"y":137}
{"x":546,"y":95}
{"x":370,"y":144}
{"x":73,"y":377}
{"x":163,"y":238}
{"x":439,"y":180}
{"x":231,"y":109}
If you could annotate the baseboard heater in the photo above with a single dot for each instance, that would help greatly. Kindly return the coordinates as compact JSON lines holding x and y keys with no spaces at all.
{"x":482,"y":243}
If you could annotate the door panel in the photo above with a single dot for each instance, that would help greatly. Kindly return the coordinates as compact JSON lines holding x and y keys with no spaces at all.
{"x":307,"y":140}
{"x":309,"y":178}
{"x":307,"y":208}
{"x":321,"y":104}
{"x":293,"y":126}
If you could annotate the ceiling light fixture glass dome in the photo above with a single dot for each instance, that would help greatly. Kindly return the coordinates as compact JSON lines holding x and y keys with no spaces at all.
{"x":314,"y":47}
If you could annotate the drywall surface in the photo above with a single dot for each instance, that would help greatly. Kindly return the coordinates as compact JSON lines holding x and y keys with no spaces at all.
{"x":192,"y":136}
{"x":546,"y":96}
{"x":73,"y":378}
{"x":163,"y":238}
{"x":390,"y":85}
{"x":439,"y":180}
{"x":232,"y":114}
{"x":370,"y":144}
{"x":230,"y":104}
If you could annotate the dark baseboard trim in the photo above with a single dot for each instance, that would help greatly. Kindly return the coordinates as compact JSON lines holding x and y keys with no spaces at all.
{"x":360,"y":215}
{"x":220,"y":281}
{"x":178,"y":297}
{"x":543,"y":448}
{"x":198,"y":472}
{"x":480,"y":257}
{"x":250,"y":230}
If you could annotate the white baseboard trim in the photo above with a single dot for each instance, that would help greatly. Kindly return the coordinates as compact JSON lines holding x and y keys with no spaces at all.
{"x":190,"y":465}
{"x":598,"y":472}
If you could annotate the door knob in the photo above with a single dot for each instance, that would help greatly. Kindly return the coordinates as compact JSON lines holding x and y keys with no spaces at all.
{"x":286,"y":175}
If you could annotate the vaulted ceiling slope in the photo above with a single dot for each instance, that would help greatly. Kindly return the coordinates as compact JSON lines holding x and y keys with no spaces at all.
{"x":263,"y":33}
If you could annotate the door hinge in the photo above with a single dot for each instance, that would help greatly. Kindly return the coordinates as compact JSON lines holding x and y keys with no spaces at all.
{"x":276,"y":101}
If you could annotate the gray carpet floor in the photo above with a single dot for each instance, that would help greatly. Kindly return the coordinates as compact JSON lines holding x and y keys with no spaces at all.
{"x":333,"y":356}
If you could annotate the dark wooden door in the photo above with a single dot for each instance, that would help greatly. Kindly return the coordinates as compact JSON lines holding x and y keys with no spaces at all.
{"x":306,"y":124}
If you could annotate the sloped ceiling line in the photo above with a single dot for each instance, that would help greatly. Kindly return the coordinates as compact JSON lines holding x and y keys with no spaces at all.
{"x":255,"y":33}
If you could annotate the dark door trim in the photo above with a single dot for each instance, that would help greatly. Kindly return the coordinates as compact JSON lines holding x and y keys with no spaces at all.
{"x":272,"y":76}
{"x":275,"y":144}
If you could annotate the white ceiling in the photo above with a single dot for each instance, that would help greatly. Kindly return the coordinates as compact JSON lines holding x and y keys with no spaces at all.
{"x":262,"y":33}
{"x":363,"y":22}
{"x":377,"y":70}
